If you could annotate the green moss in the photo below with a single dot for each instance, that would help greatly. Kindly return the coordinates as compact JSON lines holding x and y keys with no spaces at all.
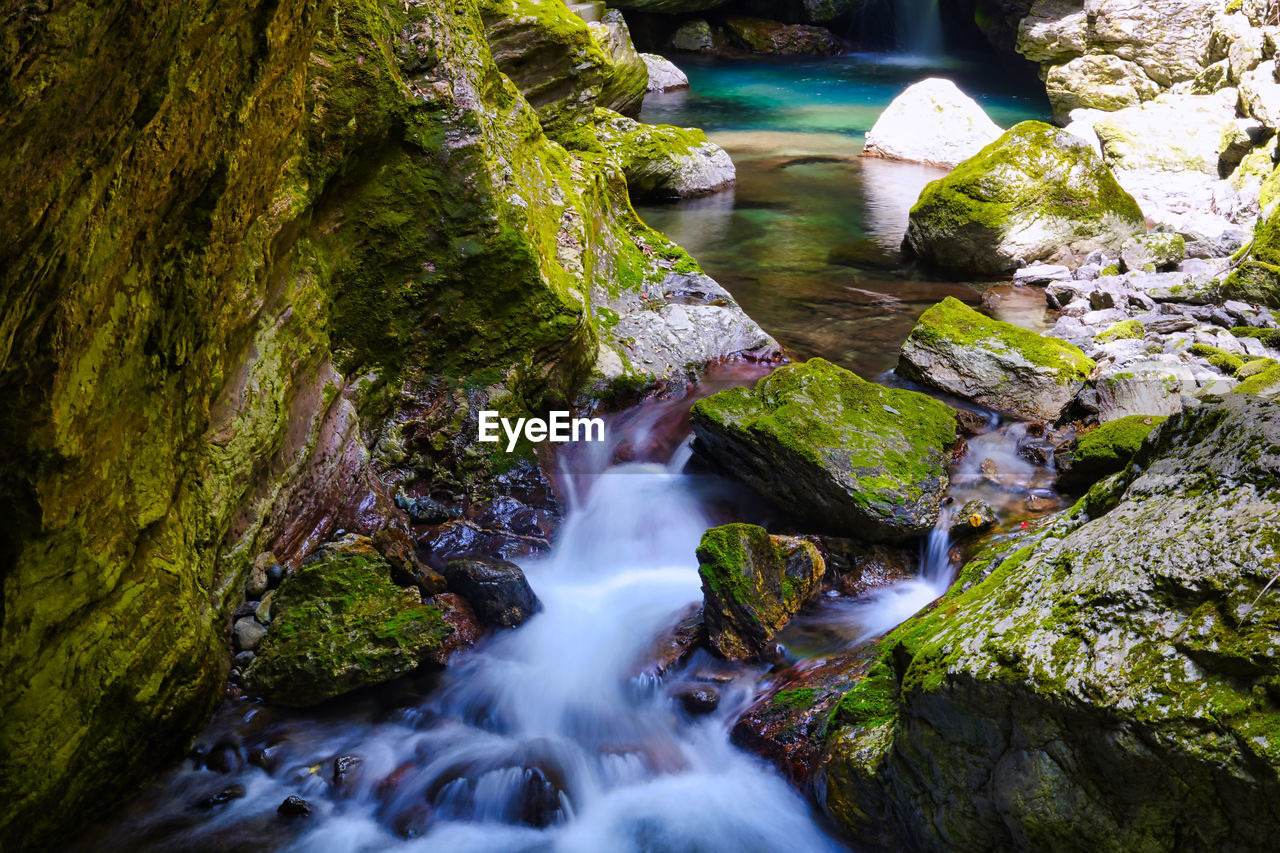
{"x":872,"y":701}
{"x":1228,"y":363}
{"x":1268,"y":337}
{"x":1257,"y":278}
{"x":1253,"y":367}
{"x":953,"y":321}
{"x":1114,"y":443}
{"x":1124,"y":330}
{"x":1111,"y":269}
{"x":1265,"y":383}
{"x":796,"y":698}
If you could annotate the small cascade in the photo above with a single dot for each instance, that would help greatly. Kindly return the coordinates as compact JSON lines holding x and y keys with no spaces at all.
{"x":918,"y":27}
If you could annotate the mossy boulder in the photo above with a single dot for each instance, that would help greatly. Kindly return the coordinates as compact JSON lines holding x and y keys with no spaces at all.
{"x":1037,"y":193}
{"x":338,"y":624}
{"x":1106,"y":683}
{"x":759,"y":35}
{"x":958,"y":350}
{"x":661,"y":161}
{"x":1257,"y":278}
{"x":824,"y":444}
{"x":752,"y":584}
{"x":1264,"y":383}
{"x":1125,"y":330}
{"x":1104,"y":451}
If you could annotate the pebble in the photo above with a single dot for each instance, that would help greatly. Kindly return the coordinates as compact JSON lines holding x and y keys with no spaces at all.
{"x":248,"y":632}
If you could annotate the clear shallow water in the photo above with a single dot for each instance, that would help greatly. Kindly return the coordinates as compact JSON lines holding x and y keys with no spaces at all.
{"x":794,"y":130}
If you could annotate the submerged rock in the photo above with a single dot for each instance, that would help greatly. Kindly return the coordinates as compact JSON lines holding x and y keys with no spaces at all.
{"x":752,"y":584}
{"x":1104,"y":451}
{"x":958,"y":350}
{"x":931,"y":122}
{"x":826,"y":445}
{"x":1036,"y":193}
{"x":339,"y":624}
{"x":1108,"y":683}
{"x":496,"y":589}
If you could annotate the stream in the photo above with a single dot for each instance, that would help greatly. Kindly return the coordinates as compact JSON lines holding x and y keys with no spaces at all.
{"x":549,"y":737}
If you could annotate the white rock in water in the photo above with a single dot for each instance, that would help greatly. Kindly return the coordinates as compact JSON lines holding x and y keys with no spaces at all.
{"x":931,"y":122}
{"x":663,"y":73}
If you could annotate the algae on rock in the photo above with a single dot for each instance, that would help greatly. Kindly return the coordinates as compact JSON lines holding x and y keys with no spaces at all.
{"x":819,"y":441}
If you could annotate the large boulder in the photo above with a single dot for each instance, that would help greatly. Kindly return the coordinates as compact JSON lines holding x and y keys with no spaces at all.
{"x":1097,"y":82}
{"x":752,"y":584}
{"x":1108,"y":683}
{"x":1036,"y":193}
{"x":958,"y":350}
{"x":931,"y":122}
{"x":339,"y":623}
{"x":846,"y":454}
{"x":1103,"y":451}
{"x":1257,"y":278}
{"x":664,"y":161}
{"x":496,"y":589}
{"x":758,"y":35}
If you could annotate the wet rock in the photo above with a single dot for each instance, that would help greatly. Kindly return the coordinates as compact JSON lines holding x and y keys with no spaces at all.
{"x":975,"y":517}
{"x":346,"y":773}
{"x":340,"y":624}
{"x":931,"y":122}
{"x":425,"y":509}
{"x":752,"y":584}
{"x":972,"y":423}
{"x":539,"y":800}
{"x":459,"y":616}
{"x":406,"y":569}
{"x":466,"y":539}
{"x":672,"y":646}
{"x":1104,"y":451}
{"x":221,"y":797}
{"x":758,"y":35}
{"x":828,"y":446}
{"x":664,"y":76}
{"x":269,"y":757}
{"x":259,"y":581}
{"x":496,"y":589}
{"x":248,"y":633}
{"x":958,"y":350}
{"x":1036,"y":193}
{"x":225,"y":756}
{"x":294,"y":807}
{"x":1107,"y":646}
{"x":243,"y":659}
{"x":697,"y":700}
{"x":855,"y":567}
{"x":786,"y":727}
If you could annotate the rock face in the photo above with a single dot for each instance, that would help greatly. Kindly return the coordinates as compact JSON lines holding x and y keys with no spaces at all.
{"x":828,"y":446}
{"x":1257,"y":279}
{"x":752,"y":584}
{"x":1114,"y":53}
{"x":309,"y":197}
{"x":338,"y":624}
{"x":761,"y":36}
{"x":1109,"y":684}
{"x":958,"y":350}
{"x":931,"y":122}
{"x":1036,"y":193}
{"x":496,"y":589}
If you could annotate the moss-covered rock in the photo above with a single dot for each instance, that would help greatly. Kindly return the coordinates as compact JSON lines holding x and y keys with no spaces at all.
{"x":1123,"y":331}
{"x":823,"y":443}
{"x":1036,"y":193}
{"x":1265,"y":383}
{"x":661,"y":161}
{"x":1153,"y":251}
{"x":1107,"y":683}
{"x":1104,"y":451}
{"x":1257,"y":278}
{"x":963,"y":352}
{"x":759,"y":35}
{"x":1228,"y":362}
{"x":338,"y":624}
{"x":752,"y":584}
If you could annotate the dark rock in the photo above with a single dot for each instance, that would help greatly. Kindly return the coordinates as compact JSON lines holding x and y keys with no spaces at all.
{"x":406,"y":569}
{"x":466,"y":540}
{"x":243,"y":659}
{"x":346,"y":773}
{"x":294,"y":806}
{"x":855,"y":567}
{"x":222,"y":797}
{"x":225,"y":756}
{"x":539,"y":799}
{"x":269,"y":757}
{"x":972,"y":423}
{"x":467,"y":630}
{"x":762,"y":36}
{"x":674,"y":645}
{"x":425,"y":509}
{"x":496,"y":589}
{"x":275,"y":574}
{"x":698,"y":700}
{"x":246,"y":608}
{"x":752,"y":584}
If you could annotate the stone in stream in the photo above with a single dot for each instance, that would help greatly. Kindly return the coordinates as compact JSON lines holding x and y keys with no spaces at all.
{"x":248,"y":633}
{"x":664,"y":76}
{"x":1107,"y":682}
{"x":340,"y":623}
{"x":221,"y":797}
{"x":673,"y":645}
{"x":294,"y":807}
{"x":1103,"y":451}
{"x":697,"y":699}
{"x":825,"y":445}
{"x":931,"y":122}
{"x":661,"y":161}
{"x":1037,"y":193}
{"x":496,"y":589}
{"x":976,"y":516}
{"x":752,"y":584}
{"x":958,"y":350}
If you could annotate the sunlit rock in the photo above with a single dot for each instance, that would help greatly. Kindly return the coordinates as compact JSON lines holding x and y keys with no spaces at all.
{"x":664,"y":76}
{"x":931,"y":122}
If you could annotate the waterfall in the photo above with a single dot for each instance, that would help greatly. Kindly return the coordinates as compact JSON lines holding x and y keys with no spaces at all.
{"x":918,"y":27}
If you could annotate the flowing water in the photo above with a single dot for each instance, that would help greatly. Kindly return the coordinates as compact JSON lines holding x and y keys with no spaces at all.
{"x":550,"y":737}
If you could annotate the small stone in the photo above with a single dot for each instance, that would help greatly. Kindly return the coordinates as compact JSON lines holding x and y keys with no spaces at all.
{"x":972,"y":423}
{"x":346,"y":770}
{"x":257,"y":583}
{"x":698,"y":700}
{"x":263,"y":611}
{"x":294,"y":806}
{"x":243,"y":659}
{"x":976,"y":516}
{"x":222,"y":797}
{"x":248,"y":633}
{"x":275,"y":574}
{"x":1042,"y":274}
